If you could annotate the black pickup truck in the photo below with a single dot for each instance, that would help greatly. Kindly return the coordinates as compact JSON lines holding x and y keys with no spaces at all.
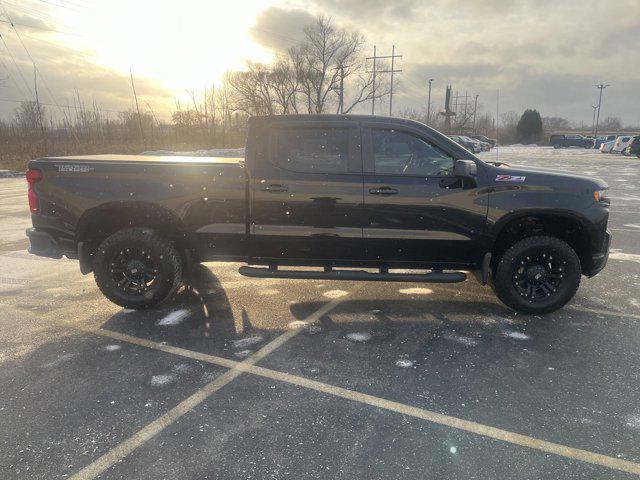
{"x":348,"y":197}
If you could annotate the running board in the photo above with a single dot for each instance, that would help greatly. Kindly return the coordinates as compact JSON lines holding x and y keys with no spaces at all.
{"x":330,"y":274}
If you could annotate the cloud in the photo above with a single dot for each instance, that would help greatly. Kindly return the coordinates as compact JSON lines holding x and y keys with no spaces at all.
{"x":279,"y":28}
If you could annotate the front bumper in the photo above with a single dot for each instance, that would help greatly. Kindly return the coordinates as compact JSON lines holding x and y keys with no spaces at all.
{"x":599,"y":260}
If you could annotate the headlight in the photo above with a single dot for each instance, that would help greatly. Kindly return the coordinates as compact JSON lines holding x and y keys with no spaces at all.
{"x":600,"y":196}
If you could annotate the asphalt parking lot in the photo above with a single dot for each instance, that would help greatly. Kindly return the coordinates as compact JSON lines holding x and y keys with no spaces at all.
{"x":271,"y":379}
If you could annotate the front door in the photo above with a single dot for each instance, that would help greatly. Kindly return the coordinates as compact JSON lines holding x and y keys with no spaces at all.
{"x":416,"y":209}
{"x":307,"y":195}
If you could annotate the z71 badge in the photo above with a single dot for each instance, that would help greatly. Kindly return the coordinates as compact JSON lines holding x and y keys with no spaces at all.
{"x":510,"y":178}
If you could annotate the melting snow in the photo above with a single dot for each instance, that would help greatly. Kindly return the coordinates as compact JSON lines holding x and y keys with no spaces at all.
{"x":174,"y":318}
{"x":516,"y":335}
{"x":60,"y":359}
{"x":358,"y":337}
{"x":462,"y":340}
{"x":633,"y":421}
{"x":247,"y":342}
{"x":160,"y":380}
{"x":335,"y":293}
{"x":243,"y":353}
{"x":297,"y":324}
{"x":416,"y":291}
{"x":404,"y":363}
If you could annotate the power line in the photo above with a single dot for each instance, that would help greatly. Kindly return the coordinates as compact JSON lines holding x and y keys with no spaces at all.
{"x":15,"y":64}
{"x":37,"y":27}
{"x":13,"y":79}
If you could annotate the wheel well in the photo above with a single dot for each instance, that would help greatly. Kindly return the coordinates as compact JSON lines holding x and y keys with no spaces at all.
{"x":99,"y":223}
{"x":565,"y":228}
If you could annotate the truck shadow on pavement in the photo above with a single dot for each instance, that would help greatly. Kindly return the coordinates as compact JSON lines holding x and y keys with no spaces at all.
{"x":201,"y":318}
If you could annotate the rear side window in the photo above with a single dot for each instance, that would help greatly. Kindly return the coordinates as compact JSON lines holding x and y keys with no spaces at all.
{"x":402,"y":153}
{"x":313,"y":150}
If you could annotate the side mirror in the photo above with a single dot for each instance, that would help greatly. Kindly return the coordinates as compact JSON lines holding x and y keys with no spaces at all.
{"x":465,"y":169}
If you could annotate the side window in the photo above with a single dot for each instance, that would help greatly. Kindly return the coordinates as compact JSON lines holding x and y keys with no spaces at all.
{"x":314,"y":150}
{"x":399,"y":153}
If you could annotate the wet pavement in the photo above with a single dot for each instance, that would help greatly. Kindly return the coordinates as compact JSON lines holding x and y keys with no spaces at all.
{"x":247,"y":378}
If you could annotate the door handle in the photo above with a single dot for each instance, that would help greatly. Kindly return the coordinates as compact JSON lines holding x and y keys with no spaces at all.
{"x":275,"y":188}
{"x":383,"y":191}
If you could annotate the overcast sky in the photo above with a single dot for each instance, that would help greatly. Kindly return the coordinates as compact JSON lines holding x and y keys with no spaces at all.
{"x":539,"y":54}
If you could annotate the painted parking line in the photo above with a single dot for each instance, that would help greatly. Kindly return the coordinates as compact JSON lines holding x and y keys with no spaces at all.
{"x":389,"y":405}
{"x":143,"y":435}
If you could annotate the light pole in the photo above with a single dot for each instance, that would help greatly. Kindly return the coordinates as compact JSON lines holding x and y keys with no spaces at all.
{"x":593,"y":124}
{"x":429,"y":102}
{"x":600,"y":86}
{"x":475,"y":109}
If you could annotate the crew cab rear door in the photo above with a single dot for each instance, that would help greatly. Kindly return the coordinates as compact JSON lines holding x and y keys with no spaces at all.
{"x":416,"y":210}
{"x":307,"y":196}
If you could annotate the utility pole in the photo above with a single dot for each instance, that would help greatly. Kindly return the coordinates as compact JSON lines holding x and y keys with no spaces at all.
{"x":593,"y":123}
{"x":135,"y":96}
{"x":600,"y":86}
{"x":475,"y":110}
{"x":393,"y":56}
{"x":429,"y":102}
{"x":341,"y":68}
{"x":373,"y":96}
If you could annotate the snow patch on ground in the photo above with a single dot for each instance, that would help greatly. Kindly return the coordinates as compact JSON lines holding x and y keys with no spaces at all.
{"x":243,"y":343}
{"x":163,"y":379}
{"x":174,"y":318}
{"x":633,"y":421}
{"x":461,"y":339}
{"x":358,"y":337}
{"x":335,"y":293}
{"x":516,"y":335}
{"x":61,"y":359}
{"x":415,"y":291}
{"x":243,"y":353}
{"x":297,"y":324}
{"x":405,"y":363}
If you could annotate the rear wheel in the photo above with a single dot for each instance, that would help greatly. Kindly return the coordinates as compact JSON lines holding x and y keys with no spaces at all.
{"x":137,"y":268}
{"x":537,"y":275}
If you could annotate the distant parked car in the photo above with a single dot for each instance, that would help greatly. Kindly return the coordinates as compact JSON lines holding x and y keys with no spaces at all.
{"x":603,"y":139}
{"x":634,"y":146}
{"x":607,"y":146}
{"x":466,"y":142}
{"x":570,"y":140}
{"x":622,"y":142}
{"x":482,"y":138}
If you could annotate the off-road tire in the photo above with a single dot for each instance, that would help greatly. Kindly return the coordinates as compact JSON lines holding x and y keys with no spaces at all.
{"x":162,"y":252}
{"x":503,"y":278}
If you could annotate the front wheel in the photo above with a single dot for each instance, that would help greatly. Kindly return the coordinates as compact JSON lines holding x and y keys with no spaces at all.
{"x":137,"y":268}
{"x":537,"y":275}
